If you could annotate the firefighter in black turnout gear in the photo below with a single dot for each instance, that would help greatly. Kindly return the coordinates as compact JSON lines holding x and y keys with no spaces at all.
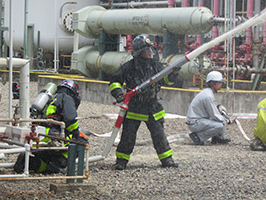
{"x":63,"y":107}
{"x":144,"y":106}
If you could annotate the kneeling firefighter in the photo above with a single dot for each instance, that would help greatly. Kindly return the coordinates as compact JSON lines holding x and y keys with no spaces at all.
{"x":63,"y":107}
{"x":144,"y":106}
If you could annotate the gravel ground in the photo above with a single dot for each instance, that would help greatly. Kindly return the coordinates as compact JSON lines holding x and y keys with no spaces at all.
{"x":230,"y":171}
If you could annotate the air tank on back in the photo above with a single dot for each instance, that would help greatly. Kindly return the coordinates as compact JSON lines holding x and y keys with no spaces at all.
{"x":51,"y":18}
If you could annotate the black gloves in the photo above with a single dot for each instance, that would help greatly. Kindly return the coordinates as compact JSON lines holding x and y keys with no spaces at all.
{"x":81,"y":140}
{"x":176,"y":69}
{"x":120,"y":98}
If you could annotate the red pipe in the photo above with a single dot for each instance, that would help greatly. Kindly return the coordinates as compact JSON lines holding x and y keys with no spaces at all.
{"x":215,"y":13}
{"x":249,"y":15}
{"x":186,"y":4}
{"x":264,"y":33}
{"x":200,"y":4}
{"x":171,"y":3}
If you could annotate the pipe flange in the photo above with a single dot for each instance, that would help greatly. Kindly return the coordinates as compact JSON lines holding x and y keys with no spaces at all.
{"x":67,"y":21}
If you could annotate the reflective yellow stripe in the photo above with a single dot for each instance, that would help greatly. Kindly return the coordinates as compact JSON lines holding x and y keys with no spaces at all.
{"x":43,"y":166}
{"x":159,"y":115}
{"x":68,"y":138}
{"x":165,"y":154}
{"x":122,"y":155}
{"x":65,"y":154}
{"x":50,"y":110}
{"x":46,"y":139}
{"x":114,"y":86}
{"x":73,"y":126}
{"x":136,"y":116}
{"x":166,"y":80}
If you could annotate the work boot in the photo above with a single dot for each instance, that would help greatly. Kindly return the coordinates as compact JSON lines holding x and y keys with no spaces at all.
{"x":120,"y":164}
{"x":52,"y":168}
{"x":219,"y":140}
{"x":195,"y":138}
{"x":34,"y":163}
{"x":20,"y":163}
{"x":168,"y":162}
{"x":257,"y":144}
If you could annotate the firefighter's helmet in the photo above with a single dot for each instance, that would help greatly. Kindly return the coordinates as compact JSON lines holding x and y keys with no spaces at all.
{"x":214,"y":76}
{"x":70,"y":84}
{"x":139,"y":44}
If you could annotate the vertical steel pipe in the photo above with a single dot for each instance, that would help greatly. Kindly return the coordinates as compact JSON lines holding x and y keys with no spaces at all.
{"x":26,"y":14}
{"x":24,"y":100}
{"x":11,"y":57}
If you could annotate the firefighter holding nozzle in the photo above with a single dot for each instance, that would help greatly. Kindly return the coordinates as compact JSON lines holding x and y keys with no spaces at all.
{"x":62,"y":107}
{"x":143,"y":106}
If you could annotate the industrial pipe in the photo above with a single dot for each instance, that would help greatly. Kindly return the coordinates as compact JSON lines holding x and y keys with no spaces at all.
{"x":264,"y":33}
{"x":7,"y":146}
{"x":171,"y":3}
{"x":133,"y":4}
{"x":26,"y":149}
{"x":216,"y":13}
{"x":24,"y":177}
{"x":186,"y":4}
{"x":200,"y":4}
{"x":15,"y":150}
{"x":88,"y":61}
{"x":249,"y":15}
{"x":60,"y":123}
{"x":24,"y":67}
{"x":191,"y":20}
{"x":11,"y":57}
{"x":24,"y":99}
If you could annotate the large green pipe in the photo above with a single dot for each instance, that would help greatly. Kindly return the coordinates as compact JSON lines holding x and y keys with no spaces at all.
{"x":88,"y":61}
{"x":183,"y":21}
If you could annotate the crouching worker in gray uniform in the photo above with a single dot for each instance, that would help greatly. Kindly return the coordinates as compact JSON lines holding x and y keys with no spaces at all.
{"x":203,"y":117}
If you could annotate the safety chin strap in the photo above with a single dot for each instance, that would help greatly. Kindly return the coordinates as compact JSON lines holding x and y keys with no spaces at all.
{"x":212,"y":86}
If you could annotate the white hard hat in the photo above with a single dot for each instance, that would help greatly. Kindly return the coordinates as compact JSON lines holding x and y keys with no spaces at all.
{"x":214,"y":76}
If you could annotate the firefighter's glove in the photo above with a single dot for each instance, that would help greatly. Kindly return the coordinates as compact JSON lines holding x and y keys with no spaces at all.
{"x":54,"y":143}
{"x":81,"y":140}
{"x":176,"y":70}
{"x":231,"y":120}
{"x":120,"y":98}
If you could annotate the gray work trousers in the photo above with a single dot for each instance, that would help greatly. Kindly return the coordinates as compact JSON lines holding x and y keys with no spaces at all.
{"x":207,"y":128}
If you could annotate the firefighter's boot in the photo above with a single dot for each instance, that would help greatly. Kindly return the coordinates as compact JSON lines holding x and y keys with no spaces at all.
{"x":168,"y":162}
{"x":34,"y":163}
{"x":257,"y":144}
{"x":121,"y":164}
{"x":53,"y":168}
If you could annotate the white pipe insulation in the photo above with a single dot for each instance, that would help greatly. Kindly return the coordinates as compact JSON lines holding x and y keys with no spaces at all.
{"x":24,"y":101}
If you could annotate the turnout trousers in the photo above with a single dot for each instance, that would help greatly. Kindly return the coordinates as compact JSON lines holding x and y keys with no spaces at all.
{"x":129,"y":133}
